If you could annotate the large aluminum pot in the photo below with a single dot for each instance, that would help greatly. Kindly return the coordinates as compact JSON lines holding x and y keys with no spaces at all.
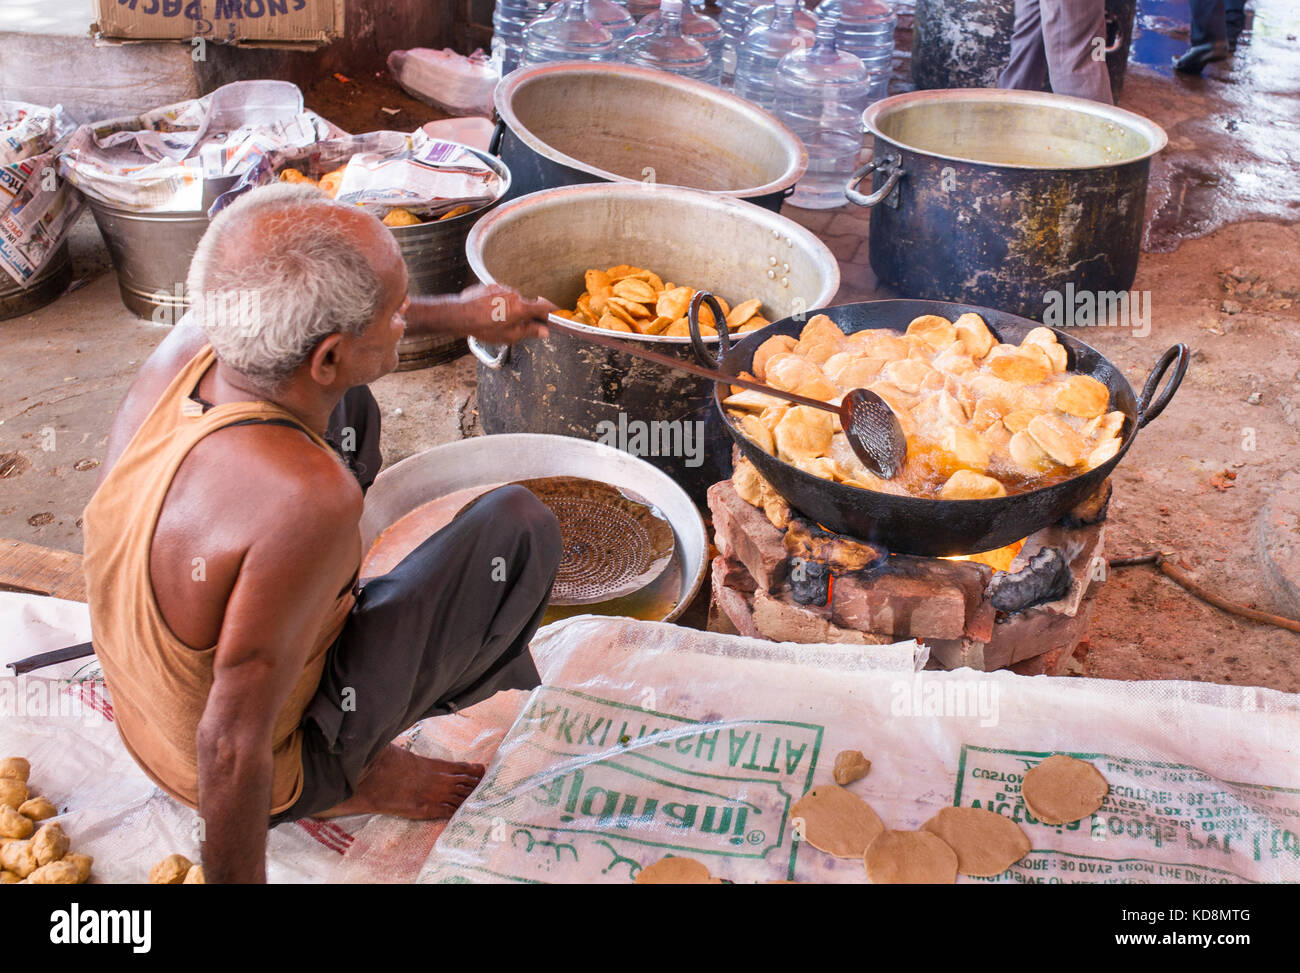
{"x":581,"y":122}
{"x":488,"y":461}
{"x":967,"y":43}
{"x":542,"y":244}
{"x":16,"y":299}
{"x":1003,"y":198}
{"x":151,"y":253}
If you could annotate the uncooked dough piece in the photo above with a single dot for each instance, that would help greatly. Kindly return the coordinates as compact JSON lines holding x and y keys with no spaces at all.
{"x":1062,"y":789}
{"x":850,"y":765}
{"x":55,"y":873}
{"x":170,"y":871}
{"x":15,"y":768}
{"x":12,"y":793}
{"x":676,"y":871}
{"x":82,"y":863}
{"x":38,"y":809}
{"x":986,"y":843}
{"x":50,"y":843}
{"x":837,"y":822}
{"x":13,"y":824}
{"x":195,"y":876}
{"x":910,"y":858}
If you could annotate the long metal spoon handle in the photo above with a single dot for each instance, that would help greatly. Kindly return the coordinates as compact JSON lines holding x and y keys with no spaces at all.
{"x":560,"y":324}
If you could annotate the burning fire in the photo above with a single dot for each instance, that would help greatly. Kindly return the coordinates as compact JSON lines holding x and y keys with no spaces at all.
{"x":999,"y":560}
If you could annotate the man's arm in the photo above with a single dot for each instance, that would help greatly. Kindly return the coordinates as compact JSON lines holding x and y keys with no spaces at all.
{"x":489,"y":312}
{"x":271,"y":620}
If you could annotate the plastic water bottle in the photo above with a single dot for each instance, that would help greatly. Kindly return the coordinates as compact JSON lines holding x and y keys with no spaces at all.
{"x":738,"y":16}
{"x":567,"y":33}
{"x":640,"y":9}
{"x":866,"y":28}
{"x":509,"y":18}
{"x":695,"y":25}
{"x":821,"y":93}
{"x":614,"y":17}
{"x":763,"y":47}
{"x":668,"y":49}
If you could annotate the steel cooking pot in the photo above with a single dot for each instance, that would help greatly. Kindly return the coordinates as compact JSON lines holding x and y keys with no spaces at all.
{"x":1002,"y":198}
{"x":937,"y":528}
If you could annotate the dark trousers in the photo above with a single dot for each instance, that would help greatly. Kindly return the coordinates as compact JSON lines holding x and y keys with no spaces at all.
{"x":446,"y":628}
{"x":1213,"y":21}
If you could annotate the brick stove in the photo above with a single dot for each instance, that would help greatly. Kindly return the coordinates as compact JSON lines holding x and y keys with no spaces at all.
{"x":803,"y":584}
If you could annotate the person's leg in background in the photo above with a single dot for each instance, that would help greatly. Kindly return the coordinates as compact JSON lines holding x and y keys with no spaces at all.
{"x":1074,"y":37}
{"x":1026,"y":69}
{"x":354,"y":433}
{"x":1234,"y":16}
{"x":1209,"y":37}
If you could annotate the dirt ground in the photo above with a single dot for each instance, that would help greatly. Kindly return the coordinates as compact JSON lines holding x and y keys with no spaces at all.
{"x":1222,"y":269}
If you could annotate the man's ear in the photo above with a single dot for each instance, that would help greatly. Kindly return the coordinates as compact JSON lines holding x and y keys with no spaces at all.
{"x":326,"y":362}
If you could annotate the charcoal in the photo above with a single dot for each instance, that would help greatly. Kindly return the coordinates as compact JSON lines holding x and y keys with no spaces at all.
{"x":809,"y":581}
{"x":1045,"y":578}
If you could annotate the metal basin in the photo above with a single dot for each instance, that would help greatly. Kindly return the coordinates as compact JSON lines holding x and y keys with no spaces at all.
{"x":151,"y":253}
{"x":999,"y":198}
{"x":16,"y":300}
{"x":541,"y":245}
{"x":490,"y":460}
{"x":565,"y":124}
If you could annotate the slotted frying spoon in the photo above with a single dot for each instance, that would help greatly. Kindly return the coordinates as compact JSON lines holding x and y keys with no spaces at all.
{"x":870,"y":426}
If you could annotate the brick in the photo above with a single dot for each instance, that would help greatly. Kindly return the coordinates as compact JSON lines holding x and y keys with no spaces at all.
{"x":719,"y":622}
{"x":1035,"y":631}
{"x":782,"y":620}
{"x":728,"y":572}
{"x":892,"y":604}
{"x":748,"y":535}
{"x":738,"y":607}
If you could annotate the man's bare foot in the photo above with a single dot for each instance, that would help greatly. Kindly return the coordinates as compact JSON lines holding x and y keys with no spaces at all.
{"x":404,"y":785}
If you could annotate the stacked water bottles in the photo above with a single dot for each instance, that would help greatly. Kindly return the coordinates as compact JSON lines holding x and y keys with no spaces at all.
{"x":667,"y":47}
{"x":508,"y":22}
{"x":577,"y":30}
{"x":695,"y":25}
{"x":763,"y":47}
{"x":821,"y":93}
{"x":866,"y":29}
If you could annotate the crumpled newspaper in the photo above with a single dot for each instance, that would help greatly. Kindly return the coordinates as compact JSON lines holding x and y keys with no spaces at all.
{"x":36,"y":206}
{"x":177,"y":158}
{"x":382,"y":170}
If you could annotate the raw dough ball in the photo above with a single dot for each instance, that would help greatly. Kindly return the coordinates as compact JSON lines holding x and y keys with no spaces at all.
{"x":15,"y":768}
{"x":170,"y":871}
{"x":194,"y":876}
{"x":1062,"y":789}
{"x":82,"y":863}
{"x":986,"y":843}
{"x":12,"y":792}
{"x":676,"y":871}
{"x":50,"y":844}
{"x":38,"y":809}
{"x":13,"y":824}
{"x":850,"y":765}
{"x":910,"y":858}
{"x":17,"y":857}
{"x":55,"y":873}
{"x":837,"y":822}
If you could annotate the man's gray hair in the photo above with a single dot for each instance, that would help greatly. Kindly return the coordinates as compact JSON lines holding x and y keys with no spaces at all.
{"x":276,"y":273}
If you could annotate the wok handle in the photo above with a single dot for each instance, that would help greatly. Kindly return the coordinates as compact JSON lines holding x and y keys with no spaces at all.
{"x":702,"y":353}
{"x":1149,"y":408}
{"x":494,"y":146}
{"x":890,"y":165}
{"x":487,"y":358}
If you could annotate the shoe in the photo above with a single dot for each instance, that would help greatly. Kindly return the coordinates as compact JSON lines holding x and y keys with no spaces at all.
{"x":1195,"y":59}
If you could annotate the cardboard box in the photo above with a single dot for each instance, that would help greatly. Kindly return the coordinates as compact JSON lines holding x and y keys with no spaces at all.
{"x":264,"y":23}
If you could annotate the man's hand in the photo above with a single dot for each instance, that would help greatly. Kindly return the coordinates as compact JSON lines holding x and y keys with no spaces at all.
{"x":489,"y":312}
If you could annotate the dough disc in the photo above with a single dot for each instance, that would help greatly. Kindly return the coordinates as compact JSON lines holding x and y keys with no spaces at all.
{"x":1062,"y":789}
{"x":837,"y":822}
{"x":910,"y":858}
{"x":986,"y":844}
{"x":676,"y":871}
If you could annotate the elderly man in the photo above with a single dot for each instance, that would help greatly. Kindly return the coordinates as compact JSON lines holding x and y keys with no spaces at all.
{"x":251,"y":678}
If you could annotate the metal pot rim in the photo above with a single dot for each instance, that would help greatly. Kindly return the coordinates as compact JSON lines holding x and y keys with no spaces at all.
{"x":558,"y":195}
{"x":1154,"y":134}
{"x":506,"y":89}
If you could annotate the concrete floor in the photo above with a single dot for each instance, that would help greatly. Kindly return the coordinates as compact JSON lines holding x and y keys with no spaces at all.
{"x":1223,"y":270}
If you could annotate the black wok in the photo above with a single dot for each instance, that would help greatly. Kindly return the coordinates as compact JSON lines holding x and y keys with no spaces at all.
{"x":935,"y":528}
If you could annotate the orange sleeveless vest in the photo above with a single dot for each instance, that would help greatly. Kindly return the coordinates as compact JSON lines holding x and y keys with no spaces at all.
{"x":159,"y":685}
